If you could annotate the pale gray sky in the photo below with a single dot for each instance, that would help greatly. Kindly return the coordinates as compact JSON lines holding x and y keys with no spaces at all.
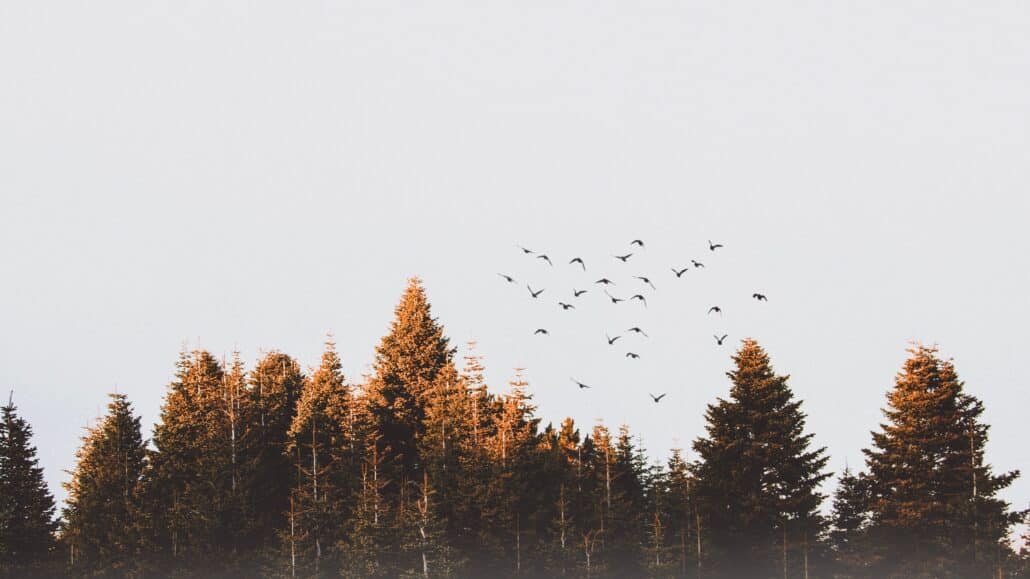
{"x":254,"y":174}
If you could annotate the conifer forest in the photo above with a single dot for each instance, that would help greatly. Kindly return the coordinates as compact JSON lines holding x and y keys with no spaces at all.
{"x":422,"y":469}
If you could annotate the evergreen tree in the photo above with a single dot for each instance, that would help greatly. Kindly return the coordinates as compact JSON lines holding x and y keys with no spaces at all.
{"x":757,"y":477}
{"x":933,"y":500}
{"x":848,"y":526}
{"x":27,"y":508}
{"x":102,"y":517}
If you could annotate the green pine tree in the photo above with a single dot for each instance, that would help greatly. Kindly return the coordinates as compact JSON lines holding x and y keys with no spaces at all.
{"x":848,"y":522}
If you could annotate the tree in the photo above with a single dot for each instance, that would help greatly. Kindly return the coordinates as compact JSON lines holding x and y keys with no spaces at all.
{"x":27,"y":508}
{"x":757,"y":477}
{"x":933,"y":500}
{"x":102,"y":517}
{"x":848,"y":523}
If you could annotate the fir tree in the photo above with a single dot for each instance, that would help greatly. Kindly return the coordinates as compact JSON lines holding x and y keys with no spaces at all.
{"x":757,"y":476}
{"x":933,"y":500}
{"x":27,"y":508}
{"x":102,"y":517}
{"x":848,"y":523}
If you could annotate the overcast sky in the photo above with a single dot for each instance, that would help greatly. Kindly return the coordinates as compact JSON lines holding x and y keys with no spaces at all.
{"x":254,"y":174}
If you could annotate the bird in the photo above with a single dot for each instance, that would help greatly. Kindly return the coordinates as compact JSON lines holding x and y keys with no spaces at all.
{"x":605,"y":281}
{"x":545,"y":258}
{"x":715,"y":309}
{"x":507,"y":278}
{"x":637,"y":330}
{"x":566,"y":306}
{"x":623,"y":258}
{"x":576,"y":293}
{"x":719,"y":339}
{"x":679,"y":273}
{"x":534,"y":293}
{"x":580,"y":384}
{"x":641,"y":298}
{"x":579,"y":261}
{"x":541,"y":331}
{"x":614,"y":299}
{"x":760,"y":297}
{"x":632,"y":355}
{"x":611,"y":340}
{"x":658,"y":398}
{"x":697,"y":263}
{"x":638,"y":242}
{"x":713,"y":246}
{"x":524,"y":250}
{"x":645,"y":280}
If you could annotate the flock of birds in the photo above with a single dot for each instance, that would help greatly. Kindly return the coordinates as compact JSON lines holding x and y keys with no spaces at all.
{"x":635,"y":246}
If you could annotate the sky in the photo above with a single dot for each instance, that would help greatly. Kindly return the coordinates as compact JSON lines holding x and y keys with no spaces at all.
{"x":252,"y":175}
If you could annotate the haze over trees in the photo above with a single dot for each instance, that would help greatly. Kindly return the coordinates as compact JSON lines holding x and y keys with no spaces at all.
{"x":423,"y":470}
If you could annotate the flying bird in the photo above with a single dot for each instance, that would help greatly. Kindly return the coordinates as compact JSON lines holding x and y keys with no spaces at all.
{"x":611,"y":340}
{"x":614,"y":299}
{"x":580,"y":384}
{"x":719,"y":339}
{"x":679,"y":273}
{"x":713,"y":246}
{"x":641,"y":298}
{"x":697,"y":263}
{"x":647,"y":281}
{"x":637,"y":330}
{"x":579,"y":261}
{"x":715,"y":309}
{"x":541,"y":331}
{"x":658,"y":398}
{"x":632,"y":355}
{"x":524,"y":250}
{"x":534,"y":293}
{"x":566,"y":306}
{"x":605,"y":281}
{"x":545,"y":258}
{"x":623,"y":258}
{"x":760,"y":297}
{"x":507,"y":278}
{"x":576,"y":293}
{"x":638,"y":242}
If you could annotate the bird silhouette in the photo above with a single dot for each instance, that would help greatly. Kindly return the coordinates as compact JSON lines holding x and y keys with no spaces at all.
{"x":719,"y":339}
{"x":641,"y":298}
{"x":632,"y":355}
{"x":566,"y":306}
{"x":579,"y":261}
{"x":534,"y":293}
{"x":611,"y":340}
{"x":580,"y":384}
{"x":715,"y":309}
{"x":576,"y":293}
{"x":697,"y":263}
{"x":507,"y":278}
{"x":658,"y":398}
{"x":713,"y":246}
{"x":645,"y":280}
{"x":524,"y":250}
{"x":637,"y":330}
{"x":614,"y":299}
{"x":541,"y":331}
{"x":679,"y":273}
{"x":760,"y":297}
{"x":623,"y":258}
{"x":605,"y":281}
{"x":638,"y":242}
{"x":545,"y":258}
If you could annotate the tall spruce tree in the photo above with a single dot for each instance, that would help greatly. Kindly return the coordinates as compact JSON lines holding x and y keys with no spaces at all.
{"x":934,"y":502}
{"x":27,"y":508}
{"x":757,"y":476}
{"x":101,"y":521}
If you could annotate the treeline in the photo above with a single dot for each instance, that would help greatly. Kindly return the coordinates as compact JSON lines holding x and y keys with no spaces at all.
{"x":422,"y":470}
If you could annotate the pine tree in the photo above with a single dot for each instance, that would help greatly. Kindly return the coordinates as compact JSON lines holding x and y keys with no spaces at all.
{"x":933,"y":499}
{"x":102,"y":517}
{"x":627,"y":527}
{"x":757,"y":478}
{"x":848,"y":526}
{"x":27,"y":508}
{"x":682,"y":516}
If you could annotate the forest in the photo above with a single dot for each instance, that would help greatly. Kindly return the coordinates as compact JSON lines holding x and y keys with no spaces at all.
{"x":422,"y":470}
